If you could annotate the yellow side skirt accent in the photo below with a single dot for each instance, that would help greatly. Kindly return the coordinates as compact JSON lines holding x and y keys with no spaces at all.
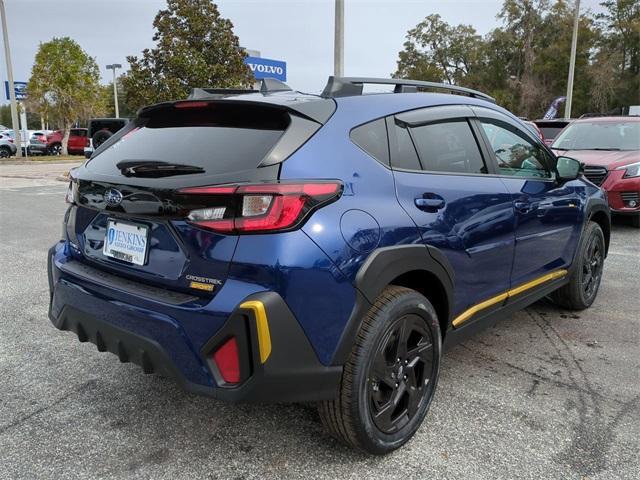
{"x":262,"y":326}
{"x":470,"y":312}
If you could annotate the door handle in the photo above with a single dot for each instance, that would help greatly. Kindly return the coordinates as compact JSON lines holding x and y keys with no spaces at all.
{"x":429,"y":204}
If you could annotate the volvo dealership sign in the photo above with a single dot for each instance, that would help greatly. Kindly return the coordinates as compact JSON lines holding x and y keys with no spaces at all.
{"x":267,"y":68}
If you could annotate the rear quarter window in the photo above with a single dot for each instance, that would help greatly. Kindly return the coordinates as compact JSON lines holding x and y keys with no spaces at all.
{"x":372,"y":138}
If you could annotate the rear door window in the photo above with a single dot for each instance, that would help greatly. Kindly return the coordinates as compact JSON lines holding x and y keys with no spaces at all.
{"x":404,"y":155}
{"x":448,"y":147}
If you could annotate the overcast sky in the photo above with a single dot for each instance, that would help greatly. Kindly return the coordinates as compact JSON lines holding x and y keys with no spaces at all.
{"x":299,"y":32}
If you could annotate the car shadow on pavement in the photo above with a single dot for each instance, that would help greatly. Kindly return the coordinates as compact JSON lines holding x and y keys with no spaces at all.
{"x":531,"y":360}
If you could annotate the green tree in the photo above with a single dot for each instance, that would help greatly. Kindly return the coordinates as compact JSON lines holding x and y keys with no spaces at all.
{"x":435,"y":50}
{"x":124,"y":110}
{"x":195,"y":47}
{"x":523,"y":64}
{"x":619,"y":53}
{"x":65,"y":82}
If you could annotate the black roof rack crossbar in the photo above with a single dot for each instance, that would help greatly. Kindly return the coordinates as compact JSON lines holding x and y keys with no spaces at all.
{"x":351,"y":86}
{"x":267,"y":85}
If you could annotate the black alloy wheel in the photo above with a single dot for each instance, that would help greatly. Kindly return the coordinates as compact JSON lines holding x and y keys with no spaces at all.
{"x":390,"y":376}
{"x":586,"y":272}
{"x":592,"y":264}
{"x":401,"y":373}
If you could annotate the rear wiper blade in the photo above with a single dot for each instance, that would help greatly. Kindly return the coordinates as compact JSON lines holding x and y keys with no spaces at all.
{"x":152,"y":168}
{"x":606,"y":149}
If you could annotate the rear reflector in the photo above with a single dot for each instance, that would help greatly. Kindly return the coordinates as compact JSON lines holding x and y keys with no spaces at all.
{"x":255,"y":208}
{"x":227,"y":361}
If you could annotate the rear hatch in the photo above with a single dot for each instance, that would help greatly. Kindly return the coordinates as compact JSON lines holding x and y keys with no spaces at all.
{"x":130,"y":207}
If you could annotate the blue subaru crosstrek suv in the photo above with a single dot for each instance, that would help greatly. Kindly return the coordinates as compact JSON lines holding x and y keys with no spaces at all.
{"x":272,"y":245}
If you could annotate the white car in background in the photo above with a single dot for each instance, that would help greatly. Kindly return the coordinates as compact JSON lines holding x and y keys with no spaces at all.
{"x":26,"y":137}
{"x":7,"y":146}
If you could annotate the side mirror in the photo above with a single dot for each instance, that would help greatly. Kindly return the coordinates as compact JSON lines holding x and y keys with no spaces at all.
{"x":568,"y":168}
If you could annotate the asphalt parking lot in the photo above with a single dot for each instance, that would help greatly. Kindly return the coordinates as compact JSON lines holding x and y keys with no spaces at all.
{"x":543,"y":394}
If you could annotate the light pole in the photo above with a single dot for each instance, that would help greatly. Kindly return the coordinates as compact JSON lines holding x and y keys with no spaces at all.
{"x":338,"y":45}
{"x":572,"y":62}
{"x":12,"y":90}
{"x":115,"y":86}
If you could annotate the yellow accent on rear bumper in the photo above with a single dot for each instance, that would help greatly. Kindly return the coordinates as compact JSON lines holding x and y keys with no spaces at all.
{"x":262,"y":326}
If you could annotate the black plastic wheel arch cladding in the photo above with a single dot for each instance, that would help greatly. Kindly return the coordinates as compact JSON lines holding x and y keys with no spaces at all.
{"x":597,"y":210}
{"x":380,"y":269}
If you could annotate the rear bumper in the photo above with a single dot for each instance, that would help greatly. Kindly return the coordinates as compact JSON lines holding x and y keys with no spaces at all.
{"x":159,"y":344}
{"x":38,"y":148}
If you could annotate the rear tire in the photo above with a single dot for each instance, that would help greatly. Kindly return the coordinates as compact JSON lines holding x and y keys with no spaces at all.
{"x":55,"y":149}
{"x":5,"y":152}
{"x":582,"y":289}
{"x":390,"y":376}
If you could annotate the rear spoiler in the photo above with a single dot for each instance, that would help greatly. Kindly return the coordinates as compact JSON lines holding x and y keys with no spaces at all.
{"x":313,"y":108}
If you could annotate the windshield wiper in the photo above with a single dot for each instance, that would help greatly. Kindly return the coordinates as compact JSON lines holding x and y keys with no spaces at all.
{"x":559,"y":148}
{"x":155,"y":169}
{"x":606,"y":149}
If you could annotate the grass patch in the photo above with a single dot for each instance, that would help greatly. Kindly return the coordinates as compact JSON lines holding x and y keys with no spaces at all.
{"x":50,"y":158}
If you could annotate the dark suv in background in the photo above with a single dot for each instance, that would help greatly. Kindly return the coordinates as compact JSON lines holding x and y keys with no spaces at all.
{"x":278,"y":246}
{"x":100,"y":130}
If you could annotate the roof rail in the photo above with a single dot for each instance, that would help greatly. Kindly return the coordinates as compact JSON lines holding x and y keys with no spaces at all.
{"x":267,"y":85}
{"x":352,"y":86}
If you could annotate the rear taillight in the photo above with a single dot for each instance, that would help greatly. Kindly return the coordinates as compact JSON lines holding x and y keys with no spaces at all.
{"x":265,"y":207}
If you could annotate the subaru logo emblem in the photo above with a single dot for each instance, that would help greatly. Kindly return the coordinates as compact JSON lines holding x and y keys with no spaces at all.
{"x":112,"y":197}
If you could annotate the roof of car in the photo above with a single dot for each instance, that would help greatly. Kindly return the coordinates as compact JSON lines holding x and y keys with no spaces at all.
{"x":628,"y":118}
{"x":348,"y":91}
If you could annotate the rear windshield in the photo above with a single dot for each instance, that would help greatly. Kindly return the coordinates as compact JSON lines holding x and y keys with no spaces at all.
{"x":550,"y":132}
{"x":218,"y":138}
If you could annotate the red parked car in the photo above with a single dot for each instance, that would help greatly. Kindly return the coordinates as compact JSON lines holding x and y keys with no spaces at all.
{"x":610,"y":149}
{"x":78,"y":139}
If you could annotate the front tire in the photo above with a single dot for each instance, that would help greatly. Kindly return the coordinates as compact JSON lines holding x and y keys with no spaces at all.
{"x":390,"y":377}
{"x":582,"y":289}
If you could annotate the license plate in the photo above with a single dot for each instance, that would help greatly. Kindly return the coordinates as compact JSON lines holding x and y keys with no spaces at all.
{"x":126,"y":241}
